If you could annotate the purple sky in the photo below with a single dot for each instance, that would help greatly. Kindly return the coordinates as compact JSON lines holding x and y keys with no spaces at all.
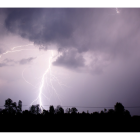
{"x":96,"y":56}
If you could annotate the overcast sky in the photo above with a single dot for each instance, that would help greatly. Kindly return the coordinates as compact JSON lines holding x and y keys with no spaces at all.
{"x":96,"y":60}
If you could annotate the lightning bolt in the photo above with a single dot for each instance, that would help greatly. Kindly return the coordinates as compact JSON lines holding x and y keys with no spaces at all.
{"x":48,"y":70}
{"x":12,"y":49}
{"x":21,"y":46}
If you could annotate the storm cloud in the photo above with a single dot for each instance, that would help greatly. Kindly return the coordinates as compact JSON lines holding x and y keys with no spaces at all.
{"x":70,"y":59}
{"x":84,"y":29}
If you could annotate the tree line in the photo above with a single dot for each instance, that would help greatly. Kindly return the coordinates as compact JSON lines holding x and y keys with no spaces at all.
{"x":56,"y":119}
{"x":11,"y":108}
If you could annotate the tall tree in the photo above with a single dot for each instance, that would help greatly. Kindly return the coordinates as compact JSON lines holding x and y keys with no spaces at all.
{"x":119,"y":108}
{"x":32,"y":109}
{"x":20,"y":106}
{"x":35,"y":109}
{"x":127,"y":113}
{"x":51,"y":109}
{"x":14,"y":104}
{"x":9,"y":106}
{"x":59,"y":110}
{"x":38,"y":109}
{"x":74,"y":110}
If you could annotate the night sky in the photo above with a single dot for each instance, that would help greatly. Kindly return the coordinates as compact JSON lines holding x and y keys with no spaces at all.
{"x":95,"y":56}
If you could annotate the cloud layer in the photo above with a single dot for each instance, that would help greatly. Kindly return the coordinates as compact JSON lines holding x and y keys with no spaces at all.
{"x":79,"y":29}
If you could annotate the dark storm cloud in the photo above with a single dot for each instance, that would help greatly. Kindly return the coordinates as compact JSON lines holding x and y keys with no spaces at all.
{"x":70,"y":59}
{"x":26,"y":60}
{"x":85,"y":29}
{"x":40,"y":25}
{"x":3,"y":15}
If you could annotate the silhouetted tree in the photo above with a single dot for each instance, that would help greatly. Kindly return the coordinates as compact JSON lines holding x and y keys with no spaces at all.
{"x":38,"y":109}
{"x":20,"y":106}
{"x":32,"y":109}
{"x":83,"y":112}
{"x":105,"y":110}
{"x":51,"y":110}
{"x":59,"y":110}
{"x":35,"y":109}
{"x":74,"y":110}
{"x":127,"y":113}
{"x":119,"y":108}
{"x":9,"y":106}
{"x":14,"y":107}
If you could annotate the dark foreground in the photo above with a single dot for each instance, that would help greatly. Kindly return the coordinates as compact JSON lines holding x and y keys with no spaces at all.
{"x":13,"y":119}
{"x":66,"y":123}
